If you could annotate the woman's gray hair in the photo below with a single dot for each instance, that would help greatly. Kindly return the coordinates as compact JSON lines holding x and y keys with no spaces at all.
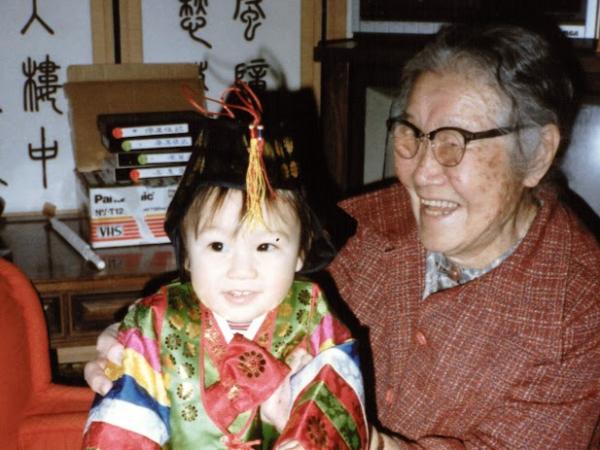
{"x":527,"y":69}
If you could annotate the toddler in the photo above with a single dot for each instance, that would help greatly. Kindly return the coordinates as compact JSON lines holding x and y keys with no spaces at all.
{"x":205,"y":352}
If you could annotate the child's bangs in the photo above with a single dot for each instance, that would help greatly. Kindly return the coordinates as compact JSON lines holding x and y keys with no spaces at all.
{"x":278,"y":209}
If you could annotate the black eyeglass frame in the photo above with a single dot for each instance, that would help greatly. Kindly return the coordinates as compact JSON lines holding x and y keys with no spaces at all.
{"x":468,"y":136}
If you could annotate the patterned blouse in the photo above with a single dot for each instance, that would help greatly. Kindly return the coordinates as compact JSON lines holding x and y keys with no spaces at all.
{"x":441,"y":273}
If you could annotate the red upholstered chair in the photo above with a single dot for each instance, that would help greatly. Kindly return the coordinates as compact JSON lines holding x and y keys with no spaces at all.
{"x":35,"y":414}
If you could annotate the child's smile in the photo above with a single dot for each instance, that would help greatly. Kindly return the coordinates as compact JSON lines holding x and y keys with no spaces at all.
{"x":240,"y":297}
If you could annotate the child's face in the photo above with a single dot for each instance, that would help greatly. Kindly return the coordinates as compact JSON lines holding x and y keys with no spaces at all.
{"x":241,"y":272}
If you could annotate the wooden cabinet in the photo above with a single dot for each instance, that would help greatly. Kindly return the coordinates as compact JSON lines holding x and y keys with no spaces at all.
{"x":79,"y":301}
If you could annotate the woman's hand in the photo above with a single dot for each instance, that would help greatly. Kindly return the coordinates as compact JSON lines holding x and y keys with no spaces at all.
{"x":276,"y":409}
{"x":109,"y":349}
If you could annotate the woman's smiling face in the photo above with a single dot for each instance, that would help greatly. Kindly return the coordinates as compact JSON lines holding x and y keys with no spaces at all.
{"x":468,"y":212}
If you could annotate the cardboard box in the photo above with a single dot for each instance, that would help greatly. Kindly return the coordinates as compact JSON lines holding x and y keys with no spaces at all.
{"x":130,"y":214}
{"x":125,"y":215}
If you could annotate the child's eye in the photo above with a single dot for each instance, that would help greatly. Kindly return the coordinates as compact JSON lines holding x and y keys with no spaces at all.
{"x":265,"y":247}
{"x":216,"y":246}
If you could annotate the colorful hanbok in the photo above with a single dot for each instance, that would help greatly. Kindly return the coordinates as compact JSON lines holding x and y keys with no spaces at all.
{"x":190,"y":382}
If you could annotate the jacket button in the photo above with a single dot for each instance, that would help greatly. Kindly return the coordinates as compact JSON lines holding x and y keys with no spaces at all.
{"x":389,"y":396}
{"x":420,"y":337}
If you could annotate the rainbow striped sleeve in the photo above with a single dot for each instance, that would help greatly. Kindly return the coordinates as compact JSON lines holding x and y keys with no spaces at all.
{"x":328,"y":400}
{"x":137,"y":407}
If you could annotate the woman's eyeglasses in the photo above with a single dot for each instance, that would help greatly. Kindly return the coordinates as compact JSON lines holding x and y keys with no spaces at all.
{"x":447,"y":143}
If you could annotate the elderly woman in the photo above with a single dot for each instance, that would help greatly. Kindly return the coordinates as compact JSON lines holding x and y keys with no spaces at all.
{"x":480,"y":289}
{"x":483,"y":305}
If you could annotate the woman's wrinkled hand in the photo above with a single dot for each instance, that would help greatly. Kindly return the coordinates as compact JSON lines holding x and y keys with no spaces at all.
{"x":109,"y":349}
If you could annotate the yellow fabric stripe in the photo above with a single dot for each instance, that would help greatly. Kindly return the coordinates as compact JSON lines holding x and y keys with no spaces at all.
{"x":136,"y":366}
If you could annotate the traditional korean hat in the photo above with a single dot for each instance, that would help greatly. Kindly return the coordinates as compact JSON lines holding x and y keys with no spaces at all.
{"x":235,"y":149}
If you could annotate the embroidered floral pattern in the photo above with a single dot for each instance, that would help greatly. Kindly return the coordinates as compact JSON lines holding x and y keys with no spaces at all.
{"x":292,"y":344}
{"x":194,"y":313}
{"x":277,"y":348}
{"x":173,"y":341}
{"x":189,"y":350}
{"x":176,"y":321}
{"x":169,"y":361}
{"x":316,"y":432}
{"x":192,"y":330}
{"x":186,"y":370}
{"x":285,"y":330}
{"x":189,"y":413}
{"x":301,"y":315}
{"x":185,"y":391}
{"x":304,"y":297}
{"x":285,"y":310}
{"x":177,"y":302}
{"x":252,"y":364}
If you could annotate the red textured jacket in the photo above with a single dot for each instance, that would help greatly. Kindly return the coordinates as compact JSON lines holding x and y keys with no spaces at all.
{"x":509,"y":360}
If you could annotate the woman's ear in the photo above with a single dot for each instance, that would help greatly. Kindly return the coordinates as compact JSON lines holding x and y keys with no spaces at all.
{"x":545,"y":153}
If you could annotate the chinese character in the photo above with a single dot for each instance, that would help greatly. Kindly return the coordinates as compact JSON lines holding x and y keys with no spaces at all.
{"x":251,"y":16}
{"x":202,"y":66}
{"x":255,"y":71}
{"x":192,"y":14}
{"x":40,"y":88}
{"x":43,"y":154}
{"x":35,"y":16}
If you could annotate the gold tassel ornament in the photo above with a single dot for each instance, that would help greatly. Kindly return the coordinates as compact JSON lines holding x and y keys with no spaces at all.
{"x":257,"y":183}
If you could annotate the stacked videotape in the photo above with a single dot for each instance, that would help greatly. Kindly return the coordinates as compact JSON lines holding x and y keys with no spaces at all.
{"x":147,"y":146}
